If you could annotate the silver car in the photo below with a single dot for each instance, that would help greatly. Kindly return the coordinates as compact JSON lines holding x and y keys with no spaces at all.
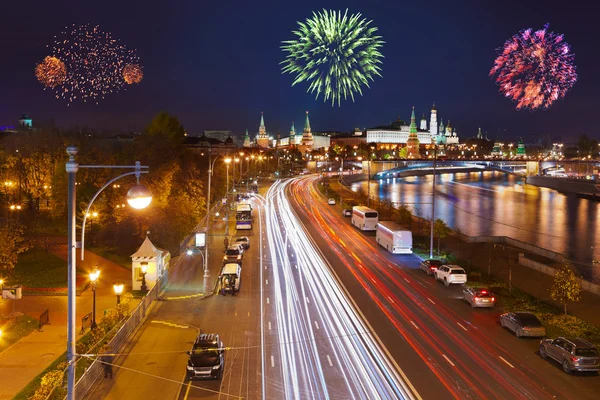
{"x":523,"y":324}
{"x":479,"y":297}
{"x":575,"y":354}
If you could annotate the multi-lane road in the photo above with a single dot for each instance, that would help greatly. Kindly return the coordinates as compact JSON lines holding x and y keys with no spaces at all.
{"x":323,"y":313}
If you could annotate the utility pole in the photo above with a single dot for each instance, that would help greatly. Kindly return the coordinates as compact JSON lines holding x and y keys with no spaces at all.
{"x":433,"y":202}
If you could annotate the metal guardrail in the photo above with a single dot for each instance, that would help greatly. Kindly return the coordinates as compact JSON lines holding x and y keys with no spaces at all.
{"x":95,"y":370}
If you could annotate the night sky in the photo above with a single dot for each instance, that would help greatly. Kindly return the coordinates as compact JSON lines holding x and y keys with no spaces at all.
{"x":215,"y":65}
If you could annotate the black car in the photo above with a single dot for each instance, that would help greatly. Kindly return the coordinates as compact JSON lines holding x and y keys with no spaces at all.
{"x":523,"y":324}
{"x":207,"y":358}
{"x":430,"y":266}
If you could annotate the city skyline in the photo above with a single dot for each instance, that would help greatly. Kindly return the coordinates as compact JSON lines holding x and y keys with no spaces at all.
{"x":449,"y":58}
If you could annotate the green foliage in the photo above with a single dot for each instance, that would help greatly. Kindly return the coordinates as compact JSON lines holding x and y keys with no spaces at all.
{"x":403,"y":153}
{"x":566,"y":286}
{"x":440,"y":230}
{"x":12,"y":243}
{"x":38,"y":269}
{"x":587,"y":146}
{"x":404,"y":216}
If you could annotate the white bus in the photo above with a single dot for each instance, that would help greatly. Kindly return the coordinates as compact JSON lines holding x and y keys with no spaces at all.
{"x":395,"y":239}
{"x":243,"y":216}
{"x":364,"y":218}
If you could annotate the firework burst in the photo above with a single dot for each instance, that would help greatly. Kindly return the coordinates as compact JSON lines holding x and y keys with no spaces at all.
{"x":132,"y":73}
{"x":335,"y":54}
{"x":93,"y":62}
{"x":535,"y":68}
{"x":51,"y":72}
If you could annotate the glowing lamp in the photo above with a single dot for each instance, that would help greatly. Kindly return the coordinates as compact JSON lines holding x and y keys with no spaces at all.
{"x":139,"y":197}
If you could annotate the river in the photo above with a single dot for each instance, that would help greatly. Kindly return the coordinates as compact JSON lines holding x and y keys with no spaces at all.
{"x":492,"y":203}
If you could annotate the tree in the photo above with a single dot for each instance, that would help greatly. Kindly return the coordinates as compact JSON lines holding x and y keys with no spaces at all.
{"x":12,"y":243}
{"x":403,"y":153}
{"x":587,"y":146}
{"x":441,"y":230}
{"x":566,"y":286}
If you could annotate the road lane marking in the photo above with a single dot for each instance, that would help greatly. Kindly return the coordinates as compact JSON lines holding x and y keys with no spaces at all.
{"x":269,"y":325}
{"x":248,"y":313}
{"x":296,"y":265}
{"x":268,"y":302}
{"x":415,"y":325}
{"x":267,"y":281}
{"x":459,"y":324}
{"x":406,"y":280}
{"x":447,"y":359}
{"x":509,"y":364}
{"x":432,"y":302}
{"x":317,"y":324}
{"x":307,"y":300}
{"x":272,"y":361}
{"x":329,"y":359}
{"x":187,"y":391}
{"x":265,"y":267}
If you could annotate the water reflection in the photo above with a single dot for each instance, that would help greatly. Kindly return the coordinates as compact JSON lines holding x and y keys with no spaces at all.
{"x":495,"y":204}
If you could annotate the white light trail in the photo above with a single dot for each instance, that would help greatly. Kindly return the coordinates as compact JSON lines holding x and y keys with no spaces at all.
{"x":352,"y":352}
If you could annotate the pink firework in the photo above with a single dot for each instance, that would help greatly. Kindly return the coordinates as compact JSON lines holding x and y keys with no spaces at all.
{"x":535,"y":68}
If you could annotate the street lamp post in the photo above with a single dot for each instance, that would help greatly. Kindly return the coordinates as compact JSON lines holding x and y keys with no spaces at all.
{"x":144,"y":266}
{"x":433,"y":202}
{"x":118,"y":288}
{"x":138,"y":197}
{"x":227,"y":161}
{"x":94,"y":275}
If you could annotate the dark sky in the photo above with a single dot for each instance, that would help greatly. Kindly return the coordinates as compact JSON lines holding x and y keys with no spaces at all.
{"x":215,"y":64}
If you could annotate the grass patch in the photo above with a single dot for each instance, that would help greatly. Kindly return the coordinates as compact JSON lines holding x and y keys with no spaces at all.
{"x":16,"y":329}
{"x":553,"y":319}
{"x":37,"y":269}
{"x":112,"y":254}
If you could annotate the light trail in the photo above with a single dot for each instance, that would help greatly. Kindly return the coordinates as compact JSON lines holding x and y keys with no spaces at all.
{"x":479,"y":367}
{"x":327,"y":350}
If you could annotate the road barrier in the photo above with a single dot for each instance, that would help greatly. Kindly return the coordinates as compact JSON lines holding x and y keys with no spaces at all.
{"x":44,"y":319}
{"x":95,"y":370}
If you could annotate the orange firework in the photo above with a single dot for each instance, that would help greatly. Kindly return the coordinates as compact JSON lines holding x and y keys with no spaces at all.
{"x":51,"y":72}
{"x":132,"y":73}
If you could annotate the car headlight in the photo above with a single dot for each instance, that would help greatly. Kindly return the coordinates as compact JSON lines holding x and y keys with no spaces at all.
{"x":239,"y":256}
{"x":216,"y":367}
{"x":189,"y":367}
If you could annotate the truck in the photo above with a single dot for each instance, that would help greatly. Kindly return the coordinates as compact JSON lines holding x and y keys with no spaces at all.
{"x":364,"y":218}
{"x":394,"y":238}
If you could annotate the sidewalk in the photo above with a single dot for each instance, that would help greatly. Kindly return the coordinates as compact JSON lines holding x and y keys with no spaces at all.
{"x":188,"y":270}
{"x":25,"y":360}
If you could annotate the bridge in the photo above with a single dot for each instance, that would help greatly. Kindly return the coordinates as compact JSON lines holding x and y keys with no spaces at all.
{"x":390,"y":169}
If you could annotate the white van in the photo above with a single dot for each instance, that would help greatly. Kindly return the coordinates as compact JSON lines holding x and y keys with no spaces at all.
{"x":394,"y":238}
{"x":231,"y":272}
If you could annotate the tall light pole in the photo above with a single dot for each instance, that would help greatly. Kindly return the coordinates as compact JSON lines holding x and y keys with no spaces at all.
{"x":94,"y":275}
{"x":211,"y":166}
{"x":433,"y":201}
{"x":227,"y":161}
{"x":138,"y":197}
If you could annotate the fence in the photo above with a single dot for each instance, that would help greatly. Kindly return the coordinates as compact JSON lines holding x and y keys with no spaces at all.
{"x":44,"y":319}
{"x":94,"y":371}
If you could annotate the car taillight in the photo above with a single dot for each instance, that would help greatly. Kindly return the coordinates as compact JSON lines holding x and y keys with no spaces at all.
{"x":483,"y":291}
{"x":493,"y":299}
{"x":573,"y":358}
{"x":476,"y":298}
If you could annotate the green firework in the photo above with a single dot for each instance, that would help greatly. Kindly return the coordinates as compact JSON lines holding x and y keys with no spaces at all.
{"x":335,"y":54}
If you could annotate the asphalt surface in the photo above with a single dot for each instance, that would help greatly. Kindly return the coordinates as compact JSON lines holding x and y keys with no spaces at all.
{"x":389,"y":331}
{"x":447,"y":349}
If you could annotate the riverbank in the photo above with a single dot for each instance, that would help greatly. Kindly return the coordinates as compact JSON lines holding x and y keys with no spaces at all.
{"x":564,"y":185}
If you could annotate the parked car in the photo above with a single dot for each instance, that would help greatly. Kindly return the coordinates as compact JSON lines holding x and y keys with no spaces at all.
{"x":523,"y":324}
{"x":206,"y":358}
{"x":479,"y":297}
{"x":347,"y":212}
{"x":575,"y":354}
{"x":430,"y":266}
{"x":234,"y":254}
{"x":231,"y":278}
{"x":331,"y":202}
{"x":450,"y":274}
{"x":243,"y":241}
